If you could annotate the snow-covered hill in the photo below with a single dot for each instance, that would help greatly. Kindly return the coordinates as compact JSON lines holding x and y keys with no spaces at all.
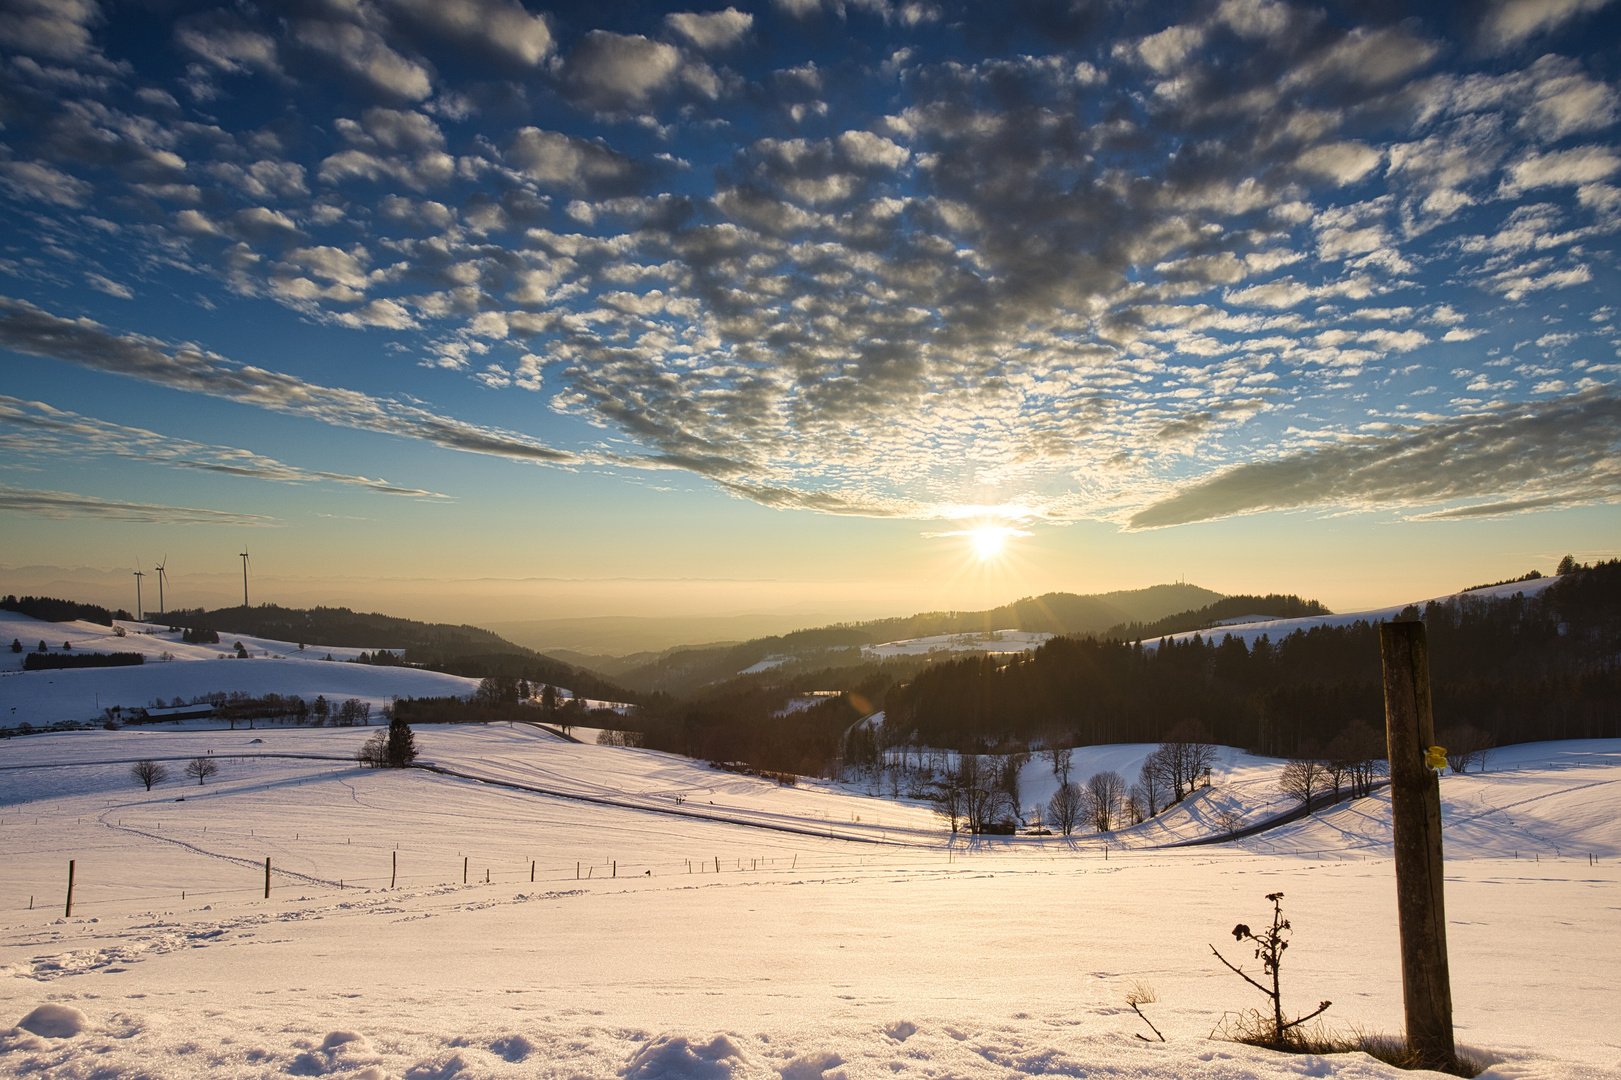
{"x":1250,"y":630}
{"x":176,"y":669}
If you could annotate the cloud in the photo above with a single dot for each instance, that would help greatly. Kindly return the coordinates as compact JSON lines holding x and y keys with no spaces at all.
{"x":38,"y":428}
{"x":27,"y":329}
{"x":1581,"y":165}
{"x":610,"y":72}
{"x":713,"y":32}
{"x":1343,"y":162}
{"x":364,"y":54}
{"x":57,"y":29}
{"x":871,"y":285}
{"x":557,"y":160}
{"x":37,"y":180}
{"x":1509,"y":22}
{"x":500,"y":28}
{"x":64,"y":504}
{"x":1565,"y":451}
{"x":228,"y":44}
{"x":108,"y":286}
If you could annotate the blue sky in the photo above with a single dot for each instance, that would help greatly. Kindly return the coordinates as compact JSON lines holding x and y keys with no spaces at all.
{"x":803,"y":292}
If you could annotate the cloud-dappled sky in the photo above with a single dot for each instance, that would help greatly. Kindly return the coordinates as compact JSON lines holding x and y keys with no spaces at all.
{"x":1139,"y":265}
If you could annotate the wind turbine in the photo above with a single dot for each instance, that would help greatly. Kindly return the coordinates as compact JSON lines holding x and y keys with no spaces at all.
{"x":244,"y":580}
{"x":138,"y":577}
{"x":161,"y":568}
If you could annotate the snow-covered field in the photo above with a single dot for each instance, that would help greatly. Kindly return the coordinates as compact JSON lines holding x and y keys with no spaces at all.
{"x":995,"y":642}
{"x":666,"y":933}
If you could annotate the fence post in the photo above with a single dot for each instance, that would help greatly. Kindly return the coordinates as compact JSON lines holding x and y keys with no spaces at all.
{"x":464,"y":869}
{"x":267,"y":877}
{"x":1415,"y":806}
{"x":68,"y":913}
{"x":395,"y":874}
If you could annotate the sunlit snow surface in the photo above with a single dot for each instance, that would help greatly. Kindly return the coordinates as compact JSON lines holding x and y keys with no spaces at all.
{"x":995,"y":642}
{"x":895,"y":953}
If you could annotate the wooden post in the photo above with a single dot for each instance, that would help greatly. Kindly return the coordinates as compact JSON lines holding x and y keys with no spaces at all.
{"x":395,"y":875}
{"x":464,"y":869}
{"x":267,"y":877}
{"x":1415,"y":806}
{"x":531,"y":870}
{"x":68,"y":913}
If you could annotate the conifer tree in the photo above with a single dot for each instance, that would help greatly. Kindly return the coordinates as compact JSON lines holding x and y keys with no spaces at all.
{"x":400,"y":749}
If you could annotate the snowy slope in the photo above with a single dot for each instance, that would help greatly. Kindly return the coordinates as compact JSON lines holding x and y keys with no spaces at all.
{"x":175,"y":669}
{"x":1251,"y":631}
{"x":802,"y":958}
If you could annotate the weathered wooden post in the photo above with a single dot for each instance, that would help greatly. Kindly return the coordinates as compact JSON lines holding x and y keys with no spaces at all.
{"x":394,"y":875}
{"x":1415,"y":807}
{"x":68,"y":913}
{"x":267,"y":877}
{"x":464,"y":868}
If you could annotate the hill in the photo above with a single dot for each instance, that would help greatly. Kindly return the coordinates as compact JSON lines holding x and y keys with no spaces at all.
{"x":1275,"y":605}
{"x":609,"y":637}
{"x":456,"y":650}
{"x":683,"y":671}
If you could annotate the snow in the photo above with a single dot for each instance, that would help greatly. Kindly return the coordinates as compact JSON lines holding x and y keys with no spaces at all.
{"x":895,"y":953}
{"x":1250,"y":628}
{"x":996,"y":642}
{"x":768,"y":664}
{"x":175,"y":669}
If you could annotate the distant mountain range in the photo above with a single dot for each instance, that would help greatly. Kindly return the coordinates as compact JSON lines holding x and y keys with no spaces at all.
{"x":1135,"y":613}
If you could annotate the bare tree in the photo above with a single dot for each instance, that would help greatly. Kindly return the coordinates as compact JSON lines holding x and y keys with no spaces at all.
{"x":1135,"y":808}
{"x":948,"y":797}
{"x":1229,"y":821}
{"x":1010,"y":771}
{"x":374,"y":752}
{"x":1066,"y":808}
{"x":1061,"y":758}
{"x":1187,"y":755}
{"x":1152,"y":782}
{"x":149,"y":773}
{"x":201,"y":769}
{"x":1466,"y":745}
{"x":1105,"y":791}
{"x":1303,"y":779}
{"x":1360,"y":751}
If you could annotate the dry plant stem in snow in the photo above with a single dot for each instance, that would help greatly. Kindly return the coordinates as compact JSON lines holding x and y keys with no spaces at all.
{"x":1269,"y":948}
{"x":1139,"y":994}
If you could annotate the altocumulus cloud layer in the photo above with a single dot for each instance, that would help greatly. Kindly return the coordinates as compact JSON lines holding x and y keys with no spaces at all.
{"x":1154,"y":263}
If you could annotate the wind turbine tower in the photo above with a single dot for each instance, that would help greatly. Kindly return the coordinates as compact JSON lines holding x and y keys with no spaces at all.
{"x":161,"y":568}
{"x":244,"y":580}
{"x":138,"y":577}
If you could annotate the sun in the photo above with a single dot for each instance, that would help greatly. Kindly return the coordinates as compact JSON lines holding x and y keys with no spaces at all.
{"x":989,"y":540}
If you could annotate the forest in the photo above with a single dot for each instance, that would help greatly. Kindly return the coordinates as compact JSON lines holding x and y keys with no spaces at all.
{"x":1519,"y":668}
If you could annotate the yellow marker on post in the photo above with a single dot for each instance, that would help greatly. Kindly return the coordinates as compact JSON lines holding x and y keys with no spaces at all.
{"x":1436,"y":757}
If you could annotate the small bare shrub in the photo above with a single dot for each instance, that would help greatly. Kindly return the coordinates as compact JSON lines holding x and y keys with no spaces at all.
{"x":1252,"y":1026}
